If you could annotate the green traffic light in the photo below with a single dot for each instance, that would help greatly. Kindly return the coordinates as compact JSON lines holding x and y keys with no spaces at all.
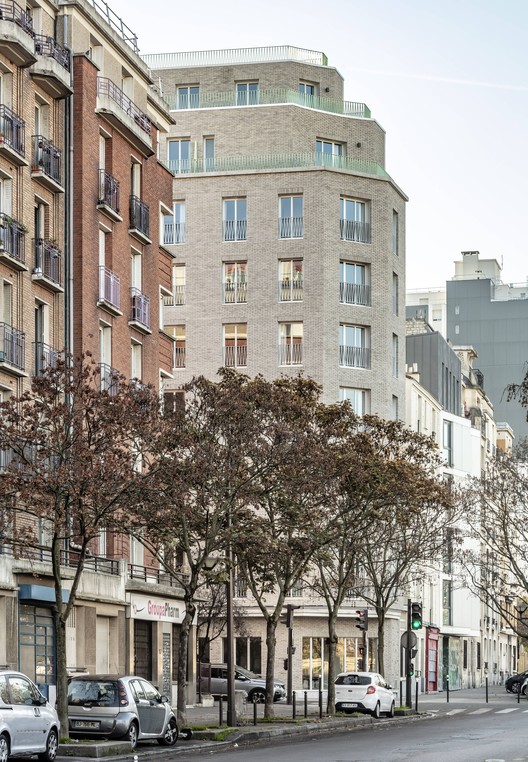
{"x":416,"y":625}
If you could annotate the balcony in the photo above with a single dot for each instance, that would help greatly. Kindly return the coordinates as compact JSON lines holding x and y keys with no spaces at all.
{"x":354,"y":293}
{"x":291,"y":227}
{"x":235,"y":356}
{"x":173,"y":233}
{"x":235,"y":56}
{"x":354,"y":357}
{"x":290,"y":290}
{"x":235,"y":293}
{"x":12,"y":137}
{"x":235,"y":230}
{"x":179,"y":357}
{"x":109,"y":379}
{"x":140,"y":311}
{"x":139,"y":220}
{"x":47,"y":268}
{"x":355,"y":230}
{"x":290,"y":354}
{"x":46,"y":166}
{"x":12,"y":350}
{"x":45,"y":357}
{"x":155,"y":575}
{"x":12,"y":243}
{"x":309,"y":160}
{"x":17,"y":41}
{"x":109,"y":291}
{"x":177,"y":298}
{"x":51,"y":70}
{"x":108,"y":200}
{"x":124,"y":115}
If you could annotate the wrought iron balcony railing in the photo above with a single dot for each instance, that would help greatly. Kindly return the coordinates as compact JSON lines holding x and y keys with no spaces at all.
{"x":235,"y":230}
{"x":47,"y":46}
{"x":12,"y":346}
{"x":139,"y":216}
{"x":291,"y":227}
{"x":157,"y":576}
{"x":12,"y":130}
{"x":290,"y":354}
{"x":47,"y":158}
{"x":11,"y":11}
{"x":48,"y":260}
{"x":354,"y":230}
{"x":354,"y":357}
{"x":108,"y":190}
{"x":108,"y":88}
{"x":354,"y":293}
{"x":109,"y":287}
{"x":140,"y":308}
{"x":45,"y":357}
{"x":12,"y":238}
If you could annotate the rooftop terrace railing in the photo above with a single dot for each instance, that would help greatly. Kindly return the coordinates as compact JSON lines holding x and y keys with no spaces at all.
{"x":116,"y":22}
{"x":234,"y":56}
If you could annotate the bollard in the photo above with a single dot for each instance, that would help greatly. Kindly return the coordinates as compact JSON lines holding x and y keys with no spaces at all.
{"x":447,"y":688}
{"x":320,"y":704}
{"x":305,"y":704}
{"x":294,"y":701}
{"x":255,"y":712}
{"x":401,"y":692}
{"x":221,"y":711}
{"x":486,"y":689}
{"x":416,"y":700}
{"x":519,"y":693}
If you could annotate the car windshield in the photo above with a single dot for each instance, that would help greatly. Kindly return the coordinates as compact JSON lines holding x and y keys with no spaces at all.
{"x":353,"y":680}
{"x":246,"y":672}
{"x":93,"y":693}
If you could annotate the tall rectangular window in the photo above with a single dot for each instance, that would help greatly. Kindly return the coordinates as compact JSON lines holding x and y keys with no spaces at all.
{"x":307,"y":89}
{"x":290,"y":343}
{"x":354,"y":286}
{"x":209,"y":154}
{"x":354,"y":350}
{"x":395,"y":408}
{"x":136,"y":360}
{"x":6,"y":303}
{"x":178,"y":331}
{"x":235,"y":345}
{"x":178,"y":285}
{"x":395,"y":233}
{"x":235,"y":282}
{"x":235,"y":219}
{"x":395,"y":350}
{"x":395,"y":294}
{"x":448,"y":442}
{"x":291,"y":280}
{"x":174,"y":225}
{"x":359,"y":399}
{"x":188,"y":96}
{"x":291,"y":218}
{"x":354,"y":220}
{"x":179,"y":155}
{"x":247,"y":93}
{"x":447,"y":602}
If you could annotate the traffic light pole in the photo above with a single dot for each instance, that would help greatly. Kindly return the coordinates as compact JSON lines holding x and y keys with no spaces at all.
{"x":408,"y":686}
{"x":289,"y":695}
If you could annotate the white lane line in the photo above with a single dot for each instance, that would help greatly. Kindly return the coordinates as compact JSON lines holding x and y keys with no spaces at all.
{"x":455,"y":711}
{"x":481,"y":711}
{"x":507,"y":711}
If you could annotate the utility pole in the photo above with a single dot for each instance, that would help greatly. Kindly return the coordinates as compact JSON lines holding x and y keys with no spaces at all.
{"x":408,"y":687}
{"x":287,"y":619}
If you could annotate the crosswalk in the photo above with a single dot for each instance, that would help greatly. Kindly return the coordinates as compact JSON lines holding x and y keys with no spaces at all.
{"x":482,"y":710}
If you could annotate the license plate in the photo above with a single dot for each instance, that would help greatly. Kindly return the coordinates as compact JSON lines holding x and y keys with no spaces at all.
{"x":349,"y":706}
{"x":86,"y":724}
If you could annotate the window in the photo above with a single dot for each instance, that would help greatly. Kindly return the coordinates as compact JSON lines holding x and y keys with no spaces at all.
{"x":178,"y":286}
{"x":291,"y":280}
{"x":354,"y":351}
{"x":395,"y":233}
{"x":105,"y":344}
{"x":395,"y":347}
{"x":354,"y":287}
{"x":235,"y":282}
{"x":174,"y":225}
{"x":136,"y":360}
{"x":135,"y":270}
{"x":290,"y":343}
{"x":395,"y":295}
{"x":188,"y":96}
{"x":209,"y":154}
{"x":235,"y":345}
{"x":247,"y":93}
{"x":178,"y":331}
{"x":179,"y":156}
{"x":235,"y":219}
{"x":448,"y":442}
{"x":291,"y":220}
{"x":395,"y":408}
{"x":6,"y":303}
{"x":328,"y":153}
{"x":307,"y":89}
{"x":447,"y":602}
{"x":359,"y":399}
{"x":354,"y":220}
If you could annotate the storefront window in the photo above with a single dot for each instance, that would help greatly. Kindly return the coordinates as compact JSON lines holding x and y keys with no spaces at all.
{"x":37,"y":644}
{"x":349,"y":653}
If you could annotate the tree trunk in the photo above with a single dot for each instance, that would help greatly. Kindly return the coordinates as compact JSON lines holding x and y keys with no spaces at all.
{"x":332,"y":661}
{"x":271,"y":642}
{"x":183,"y":652}
{"x":381,"y":641}
{"x":62,"y":673}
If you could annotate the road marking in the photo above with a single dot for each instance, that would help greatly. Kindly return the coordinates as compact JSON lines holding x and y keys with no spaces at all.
{"x":455,"y":711}
{"x":506,"y":711}
{"x":481,"y":711}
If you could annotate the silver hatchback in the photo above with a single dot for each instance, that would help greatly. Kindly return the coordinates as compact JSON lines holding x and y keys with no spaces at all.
{"x":105,"y":706}
{"x":28,"y":724}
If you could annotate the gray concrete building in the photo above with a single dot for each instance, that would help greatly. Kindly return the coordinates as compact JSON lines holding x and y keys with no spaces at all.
{"x":286,"y":230}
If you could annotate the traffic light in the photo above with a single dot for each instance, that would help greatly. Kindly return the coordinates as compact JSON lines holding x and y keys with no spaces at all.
{"x":362,"y":619}
{"x":287,"y":617}
{"x":416,"y":616}
{"x":286,"y":664}
{"x":411,"y":670}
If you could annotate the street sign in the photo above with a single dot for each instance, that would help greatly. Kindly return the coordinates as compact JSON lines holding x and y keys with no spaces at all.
{"x":409,"y":639}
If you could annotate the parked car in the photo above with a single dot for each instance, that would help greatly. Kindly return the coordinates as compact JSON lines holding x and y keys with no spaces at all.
{"x":28,"y":723}
{"x":514,"y":683}
{"x":363,"y":692}
{"x":105,"y":706}
{"x":254,"y":685}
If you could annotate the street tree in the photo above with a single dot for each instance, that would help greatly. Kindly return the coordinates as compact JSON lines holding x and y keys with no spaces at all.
{"x":71,"y":460}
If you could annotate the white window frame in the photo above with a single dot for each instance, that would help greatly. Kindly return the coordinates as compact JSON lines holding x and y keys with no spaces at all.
{"x":354,"y":219}
{"x":291,"y":280}
{"x":359,"y":399}
{"x":235,"y":224}
{"x":235,"y":282}
{"x":354,"y":283}
{"x":179,"y":164}
{"x":291,"y":343}
{"x":235,"y":355}
{"x":185,"y":99}
{"x":354,"y":346}
{"x":291,"y":223}
{"x":247,"y":93}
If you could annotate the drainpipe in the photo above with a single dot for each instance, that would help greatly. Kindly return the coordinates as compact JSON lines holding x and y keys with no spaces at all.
{"x":68,"y":210}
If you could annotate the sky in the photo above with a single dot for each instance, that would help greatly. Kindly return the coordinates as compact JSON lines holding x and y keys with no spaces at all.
{"x":448,"y":82}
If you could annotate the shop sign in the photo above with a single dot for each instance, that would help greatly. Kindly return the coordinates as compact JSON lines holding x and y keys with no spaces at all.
{"x":156,"y":609}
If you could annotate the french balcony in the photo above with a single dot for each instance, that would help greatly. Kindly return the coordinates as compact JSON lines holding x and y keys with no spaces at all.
{"x":235,"y":293}
{"x":12,"y":243}
{"x":12,"y":136}
{"x":355,"y":230}
{"x":45,"y":357}
{"x":179,"y":357}
{"x":108,"y":200}
{"x":109,"y":291}
{"x":235,"y":356}
{"x":290,"y":354}
{"x":17,"y":39}
{"x":52,"y":69}
{"x":173,"y":233}
{"x":140,"y":311}
{"x":139,"y":220}
{"x":290,"y":290}
{"x":12,"y":350}
{"x":291,"y":227}
{"x":108,"y":379}
{"x":47,"y":268}
{"x":235,"y":230}
{"x":354,"y":293}
{"x":354,"y":357}
{"x":123,"y":114}
{"x":177,"y":298}
{"x":46,"y":166}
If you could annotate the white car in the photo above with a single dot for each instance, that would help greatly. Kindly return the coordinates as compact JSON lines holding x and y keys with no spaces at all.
{"x":363,"y":692}
{"x":28,"y":724}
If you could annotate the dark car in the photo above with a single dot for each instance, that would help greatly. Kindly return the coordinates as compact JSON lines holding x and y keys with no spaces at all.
{"x":514,"y":683}
{"x":105,"y":706}
{"x":214,"y":681}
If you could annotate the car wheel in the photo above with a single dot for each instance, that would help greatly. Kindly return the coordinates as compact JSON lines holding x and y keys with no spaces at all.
{"x":171,"y":734}
{"x":257,"y":697}
{"x":523,"y":689}
{"x":390,"y":713}
{"x":376,"y":711}
{"x":52,"y":747}
{"x":4,"y":748}
{"x":132,"y":734}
